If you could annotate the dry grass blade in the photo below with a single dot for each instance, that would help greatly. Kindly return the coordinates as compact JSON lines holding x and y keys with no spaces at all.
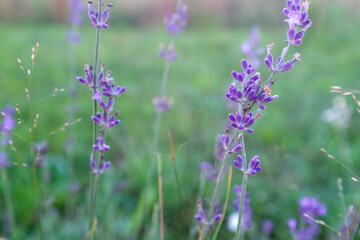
{"x":161,"y":207}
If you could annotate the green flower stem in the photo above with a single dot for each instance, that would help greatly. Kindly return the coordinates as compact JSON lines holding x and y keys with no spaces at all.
{"x":94,"y":180}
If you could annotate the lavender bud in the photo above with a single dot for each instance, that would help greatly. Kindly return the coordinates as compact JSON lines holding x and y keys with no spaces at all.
{"x":217,"y":218}
{"x":236,"y":148}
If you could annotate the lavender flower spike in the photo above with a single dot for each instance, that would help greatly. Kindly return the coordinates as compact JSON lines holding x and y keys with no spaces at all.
{"x":202,"y":217}
{"x":297,"y":13}
{"x":309,"y":230}
{"x":101,"y":146}
{"x":95,"y":20}
{"x":253,"y":167}
{"x":103,"y":166}
{"x":175,"y":22}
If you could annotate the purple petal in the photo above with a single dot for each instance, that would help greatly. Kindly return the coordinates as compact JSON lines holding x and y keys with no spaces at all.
{"x":244,"y":64}
{"x":236,"y":149}
{"x":238,"y":117}
{"x":232,"y":118}
{"x":217,"y":218}
{"x":238,"y":165}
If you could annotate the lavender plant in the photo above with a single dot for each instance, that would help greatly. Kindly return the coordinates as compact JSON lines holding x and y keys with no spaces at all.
{"x":310,"y":209}
{"x":104,"y":120}
{"x":248,"y":91}
{"x":174,"y":24}
{"x":6,"y":127}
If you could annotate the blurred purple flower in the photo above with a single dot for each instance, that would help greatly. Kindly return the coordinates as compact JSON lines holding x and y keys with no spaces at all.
{"x":73,"y":37}
{"x":209,"y":170}
{"x":162,"y":104}
{"x":40,"y":150}
{"x":267,"y":227}
{"x":76,"y":8}
{"x":175,"y":22}
{"x":312,"y":207}
{"x":247,"y":212}
{"x":8,"y":123}
{"x":251,"y":47}
{"x":4,"y":160}
{"x":309,"y":229}
{"x":201,"y":216}
{"x":6,"y":127}
{"x":168,"y":55}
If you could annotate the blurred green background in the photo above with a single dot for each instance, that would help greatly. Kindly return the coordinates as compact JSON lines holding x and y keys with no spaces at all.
{"x":287,"y":138}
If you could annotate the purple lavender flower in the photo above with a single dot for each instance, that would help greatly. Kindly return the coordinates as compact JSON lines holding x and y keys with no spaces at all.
{"x":168,"y":55}
{"x":8,"y":122}
{"x":106,"y":118}
{"x":201,"y":216}
{"x":76,"y":8}
{"x":6,"y":127}
{"x":247,"y":91}
{"x":251,"y":47}
{"x":103,"y":166}
{"x":162,"y":104}
{"x":247,"y":212}
{"x":88,"y":80}
{"x":253,"y":167}
{"x":209,"y":170}
{"x":297,"y":13}
{"x":250,"y":90}
{"x":242,"y":122}
{"x":96,"y":21}
{"x":281,"y":66}
{"x":267,"y":227}
{"x":175,"y":22}
{"x":101,"y":146}
{"x":312,"y":208}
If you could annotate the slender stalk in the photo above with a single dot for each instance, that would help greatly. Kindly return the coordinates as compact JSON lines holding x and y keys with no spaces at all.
{"x":8,"y":201}
{"x":37,"y":194}
{"x":32,"y":140}
{"x":157,"y":125}
{"x":156,"y":134}
{"x":161,"y":205}
{"x":94,"y":180}
{"x":239,"y":232}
